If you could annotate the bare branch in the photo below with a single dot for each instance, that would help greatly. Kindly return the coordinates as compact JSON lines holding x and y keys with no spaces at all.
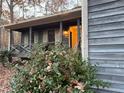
{"x":8,"y":3}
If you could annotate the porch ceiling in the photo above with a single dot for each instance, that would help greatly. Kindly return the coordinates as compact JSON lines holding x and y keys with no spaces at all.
{"x":64,"y":16}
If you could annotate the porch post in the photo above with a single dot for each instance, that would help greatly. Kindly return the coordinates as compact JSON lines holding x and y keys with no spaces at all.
{"x":84,"y":33}
{"x":11,"y":39}
{"x":9,"y":43}
{"x":61,"y":31}
{"x":22,"y":38}
{"x":78,"y":28}
{"x":30,"y":37}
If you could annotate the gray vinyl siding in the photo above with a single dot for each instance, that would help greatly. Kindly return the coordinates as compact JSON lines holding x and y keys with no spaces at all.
{"x":106,"y":42}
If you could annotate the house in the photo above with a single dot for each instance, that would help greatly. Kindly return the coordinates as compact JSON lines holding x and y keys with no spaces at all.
{"x":63,"y":27}
{"x":103,"y":40}
{"x":102,"y":36}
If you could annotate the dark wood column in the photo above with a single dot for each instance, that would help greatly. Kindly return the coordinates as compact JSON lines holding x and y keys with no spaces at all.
{"x":61,"y":31}
{"x":11,"y":38}
{"x":79,"y":32}
{"x":22,"y":38}
{"x":78,"y":27}
{"x":30,"y":37}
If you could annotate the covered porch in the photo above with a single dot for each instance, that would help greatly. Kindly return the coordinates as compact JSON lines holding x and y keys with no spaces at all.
{"x":62,"y":27}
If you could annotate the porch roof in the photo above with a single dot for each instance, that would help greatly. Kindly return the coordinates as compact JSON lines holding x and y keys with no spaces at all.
{"x":63,"y":16}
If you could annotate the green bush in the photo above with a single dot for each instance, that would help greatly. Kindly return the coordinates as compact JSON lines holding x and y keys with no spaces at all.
{"x":56,"y":70}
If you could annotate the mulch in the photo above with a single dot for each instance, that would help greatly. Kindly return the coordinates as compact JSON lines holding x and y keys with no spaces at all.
{"x":5,"y":76}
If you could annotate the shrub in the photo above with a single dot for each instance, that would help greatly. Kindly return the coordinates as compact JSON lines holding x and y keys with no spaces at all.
{"x":56,"y":70}
{"x":5,"y":57}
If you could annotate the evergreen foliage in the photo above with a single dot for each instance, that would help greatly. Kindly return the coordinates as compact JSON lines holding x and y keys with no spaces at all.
{"x":56,"y":70}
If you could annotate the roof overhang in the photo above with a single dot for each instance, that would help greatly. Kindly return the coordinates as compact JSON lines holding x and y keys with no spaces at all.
{"x":64,"y":16}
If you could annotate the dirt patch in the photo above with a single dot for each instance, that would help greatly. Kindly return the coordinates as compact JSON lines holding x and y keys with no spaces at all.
{"x":5,"y":76}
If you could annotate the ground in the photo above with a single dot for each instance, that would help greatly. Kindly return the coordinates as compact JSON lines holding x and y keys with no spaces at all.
{"x":5,"y":76}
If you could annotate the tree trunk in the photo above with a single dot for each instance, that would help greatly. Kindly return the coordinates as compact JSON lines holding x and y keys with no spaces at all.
{"x":11,"y":11}
{"x":0,"y":10}
{"x":0,"y":19}
{"x":12,"y":20}
{"x":23,"y":10}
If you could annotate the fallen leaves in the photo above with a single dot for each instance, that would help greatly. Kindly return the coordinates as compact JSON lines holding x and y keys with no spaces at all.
{"x":5,"y":76}
{"x":74,"y":84}
{"x":49,"y":67}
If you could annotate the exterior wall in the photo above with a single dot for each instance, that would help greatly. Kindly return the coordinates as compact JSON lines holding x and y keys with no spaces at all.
{"x":3,"y":38}
{"x":106,"y":41}
{"x":58,"y":36}
{"x":26,"y":38}
{"x":45,"y":36}
{"x":36,"y":37}
{"x":17,"y":37}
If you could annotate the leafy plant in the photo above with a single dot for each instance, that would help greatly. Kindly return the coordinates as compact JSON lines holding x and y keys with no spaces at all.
{"x":56,"y":70}
{"x":5,"y":56}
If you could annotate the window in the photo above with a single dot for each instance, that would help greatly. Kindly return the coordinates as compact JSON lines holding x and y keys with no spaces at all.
{"x":51,"y":36}
{"x":40,"y":37}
